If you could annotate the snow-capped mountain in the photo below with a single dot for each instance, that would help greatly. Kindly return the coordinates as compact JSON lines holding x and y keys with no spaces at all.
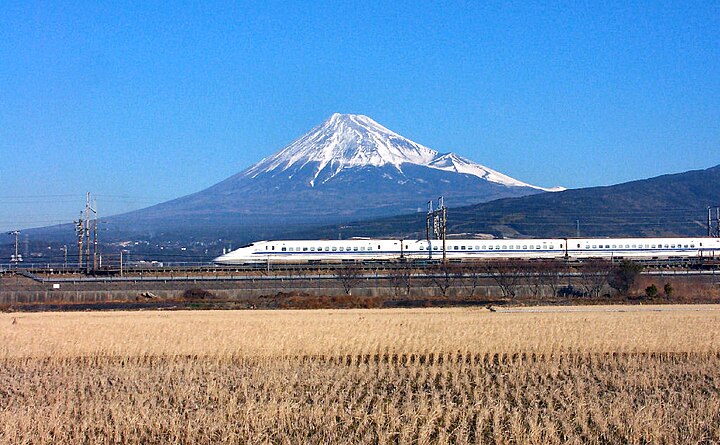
{"x":349,"y":141}
{"x":347,"y":168}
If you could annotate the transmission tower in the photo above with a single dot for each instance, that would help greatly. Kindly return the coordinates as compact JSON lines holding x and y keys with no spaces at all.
{"x":713,"y":222}
{"x":16,"y":258}
{"x":436,"y":226}
{"x":80,"y":232}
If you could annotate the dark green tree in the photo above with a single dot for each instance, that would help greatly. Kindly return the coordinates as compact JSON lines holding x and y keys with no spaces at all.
{"x":623,"y":276}
{"x":668,"y":290}
{"x":651,"y":291}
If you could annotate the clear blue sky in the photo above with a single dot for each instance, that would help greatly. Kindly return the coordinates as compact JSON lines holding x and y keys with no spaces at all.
{"x":146,"y":101}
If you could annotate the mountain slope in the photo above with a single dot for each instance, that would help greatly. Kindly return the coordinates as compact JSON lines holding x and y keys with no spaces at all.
{"x":345,"y":168}
{"x":666,"y":205}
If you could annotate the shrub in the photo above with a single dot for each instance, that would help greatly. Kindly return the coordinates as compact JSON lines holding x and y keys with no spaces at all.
{"x":651,"y":291}
{"x":668,"y":289}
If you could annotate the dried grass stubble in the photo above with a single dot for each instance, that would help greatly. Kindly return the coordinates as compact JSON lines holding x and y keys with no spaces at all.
{"x":586,"y":398}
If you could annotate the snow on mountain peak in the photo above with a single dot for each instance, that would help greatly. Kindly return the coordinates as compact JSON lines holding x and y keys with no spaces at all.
{"x":354,"y":140}
{"x":346,"y":140}
{"x":458,"y":164}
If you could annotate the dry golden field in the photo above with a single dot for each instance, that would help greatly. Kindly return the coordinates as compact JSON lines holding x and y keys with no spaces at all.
{"x":578,"y":375}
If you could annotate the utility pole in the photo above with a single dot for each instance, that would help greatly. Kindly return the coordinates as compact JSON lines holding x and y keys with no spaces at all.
{"x":443,"y":223}
{"x":713,"y":227}
{"x":80,"y":232}
{"x":428,"y":222}
{"x":17,"y":257}
{"x":709,"y":222}
{"x":95,"y":235}
{"x":87,"y":234}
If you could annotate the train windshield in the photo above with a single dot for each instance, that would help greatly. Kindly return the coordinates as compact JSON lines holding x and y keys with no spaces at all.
{"x":246,"y":245}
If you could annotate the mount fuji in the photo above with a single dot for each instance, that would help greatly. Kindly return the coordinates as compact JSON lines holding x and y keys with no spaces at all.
{"x":347,"y":168}
{"x":347,"y":141}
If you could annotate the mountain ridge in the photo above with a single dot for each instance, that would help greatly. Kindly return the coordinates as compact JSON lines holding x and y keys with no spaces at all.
{"x":665,"y":205}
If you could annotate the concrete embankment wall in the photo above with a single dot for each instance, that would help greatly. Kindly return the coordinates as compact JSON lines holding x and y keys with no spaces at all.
{"x":88,"y":292}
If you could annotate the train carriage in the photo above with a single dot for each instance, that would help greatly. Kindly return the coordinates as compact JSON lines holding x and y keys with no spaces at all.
{"x":367,"y":249}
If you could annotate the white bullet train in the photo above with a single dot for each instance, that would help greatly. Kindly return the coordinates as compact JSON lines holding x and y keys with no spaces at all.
{"x":470,"y":249}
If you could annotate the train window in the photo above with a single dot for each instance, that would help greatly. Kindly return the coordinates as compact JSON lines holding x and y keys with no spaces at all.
{"x":538,"y":247}
{"x":700,"y":244}
{"x":312,"y":249}
{"x":355,"y":248}
{"x":614,"y":246}
{"x":327,"y":249}
{"x":422,"y":247}
{"x":291,"y":249}
{"x":667,"y":247}
{"x":455,"y":247}
{"x":594,"y":246}
{"x":334,"y":249}
{"x":511,"y":247}
{"x":692,"y":246}
{"x":273,"y":247}
{"x":524,"y":247}
{"x":462,"y":247}
{"x":579,"y":246}
{"x":634,"y":246}
{"x":378,"y":246}
{"x":435,"y":247}
{"x":673,"y":246}
{"x":305,"y":249}
{"x":283,"y":249}
{"x":477,"y":247}
{"x":504,"y":247}
{"x":369,"y":247}
{"x":349,"y":249}
{"x":551,"y":246}
{"x":362,"y":249}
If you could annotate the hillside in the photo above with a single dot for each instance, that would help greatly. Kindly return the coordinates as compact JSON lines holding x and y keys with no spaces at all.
{"x":673,"y":204}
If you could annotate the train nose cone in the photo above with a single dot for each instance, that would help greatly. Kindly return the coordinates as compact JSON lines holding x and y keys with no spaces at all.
{"x":222,"y":259}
